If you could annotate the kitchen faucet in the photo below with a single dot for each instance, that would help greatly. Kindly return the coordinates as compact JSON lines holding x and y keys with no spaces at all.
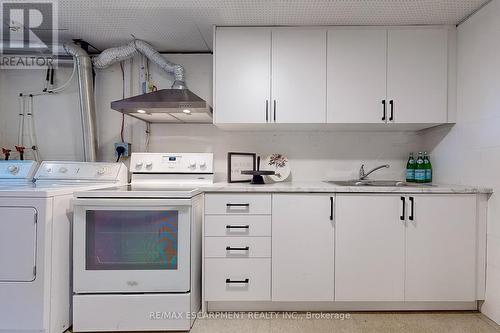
{"x":363,"y":175}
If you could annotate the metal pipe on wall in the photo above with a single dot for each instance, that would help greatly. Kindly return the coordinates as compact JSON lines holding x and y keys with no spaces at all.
{"x":87,"y":101}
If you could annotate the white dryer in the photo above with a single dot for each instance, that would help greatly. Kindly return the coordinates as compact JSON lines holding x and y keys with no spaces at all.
{"x":35,"y":239}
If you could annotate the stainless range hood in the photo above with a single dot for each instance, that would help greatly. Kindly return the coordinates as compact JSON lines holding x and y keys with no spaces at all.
{"x":166,"y":106}
{"x":175,"y":105}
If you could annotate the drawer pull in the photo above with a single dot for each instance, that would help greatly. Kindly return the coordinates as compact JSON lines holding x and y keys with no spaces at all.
{"x":238,"y":205}
{"x":237,"y":226}
{"x":237,"y":281}
{"x":229,"y":248}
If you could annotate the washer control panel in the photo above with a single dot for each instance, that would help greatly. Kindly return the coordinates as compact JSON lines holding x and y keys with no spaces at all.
{"x":168,"y":163}
{"x":16,"y":169}
{"x":79,"y":170}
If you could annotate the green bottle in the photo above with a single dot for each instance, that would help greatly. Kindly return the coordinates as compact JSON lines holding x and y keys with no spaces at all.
{"x":420,"y":169}
{"x":428,"y":168}
{"x":410,"y":169}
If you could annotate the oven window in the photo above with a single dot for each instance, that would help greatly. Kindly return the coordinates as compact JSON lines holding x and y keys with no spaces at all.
{"x":131,"y":240}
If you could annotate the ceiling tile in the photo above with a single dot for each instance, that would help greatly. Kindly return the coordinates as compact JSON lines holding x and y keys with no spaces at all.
{"x":186,"y":25}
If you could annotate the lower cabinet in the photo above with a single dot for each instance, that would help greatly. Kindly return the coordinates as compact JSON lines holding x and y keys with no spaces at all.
{"x":303,"y":247}
{"x":344,"y":247}
{"x":370,"y":249}
{"x":441,"y":248}
{"x":405,"y":248}
{"x":237,"y":279}
{"x":237,"y":247}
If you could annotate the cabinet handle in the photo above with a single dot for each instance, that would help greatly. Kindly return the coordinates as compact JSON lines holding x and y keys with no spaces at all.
{"x":331,"y":208}
{"x":267,"y":111}
{"x":274,"y":102}
{"x":402,"y":218}
{"x":237,"y":226}
{"x":384,"y":112}
{"x":391,"y":102}
{"x":237,"y":205}
{"x":411,"y":217}
{"x":237,"y":281}
{"x":229,"y":248}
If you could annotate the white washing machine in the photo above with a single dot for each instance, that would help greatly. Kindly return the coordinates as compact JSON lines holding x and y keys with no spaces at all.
{"x":35,"y":240}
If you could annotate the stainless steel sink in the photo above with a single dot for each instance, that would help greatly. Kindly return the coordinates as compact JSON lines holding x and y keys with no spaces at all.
{"x":382,"y":183}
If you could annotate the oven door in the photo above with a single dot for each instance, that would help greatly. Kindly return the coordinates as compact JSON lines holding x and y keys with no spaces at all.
{"x":131,"y":245}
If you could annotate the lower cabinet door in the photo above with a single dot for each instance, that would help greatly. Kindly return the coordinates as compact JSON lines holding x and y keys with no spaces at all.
{"x":229,"y":279}
{"x":441,"y":248}
{"x":369,"y":246}
{"x":302,"y":247}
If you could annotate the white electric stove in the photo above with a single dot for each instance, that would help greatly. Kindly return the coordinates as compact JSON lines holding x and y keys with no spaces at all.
{"x":137,"y":248}
{"x":35,"y":237}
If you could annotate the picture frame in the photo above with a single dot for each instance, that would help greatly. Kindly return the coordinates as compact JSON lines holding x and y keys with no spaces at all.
{"x":237,"y":162}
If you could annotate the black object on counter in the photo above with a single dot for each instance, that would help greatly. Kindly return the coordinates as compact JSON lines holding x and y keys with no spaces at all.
{"x":257,"y":178}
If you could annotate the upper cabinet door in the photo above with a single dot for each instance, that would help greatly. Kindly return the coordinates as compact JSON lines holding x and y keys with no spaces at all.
{"x":356,"y":75}
{"x":417,"y":75}
{"x":242,"y":75}
{"x":299,"y":75}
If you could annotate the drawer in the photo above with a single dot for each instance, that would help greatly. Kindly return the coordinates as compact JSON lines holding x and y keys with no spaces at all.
{"x":237,"y":225}
{"x":238,"y":247}
{"x":238,"y":204}
{"x":237,"y":279}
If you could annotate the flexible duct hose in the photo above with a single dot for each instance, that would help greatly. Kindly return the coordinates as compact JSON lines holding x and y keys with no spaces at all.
{"x":121,"y":53}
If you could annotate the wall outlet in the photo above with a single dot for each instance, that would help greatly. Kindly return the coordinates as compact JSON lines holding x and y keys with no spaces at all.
{"x":126,"y":146}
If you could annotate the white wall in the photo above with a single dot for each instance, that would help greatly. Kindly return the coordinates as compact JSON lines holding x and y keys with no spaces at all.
{"x":57,"y":118}
{"x":469,"y":153}
{"x":313,"y":155}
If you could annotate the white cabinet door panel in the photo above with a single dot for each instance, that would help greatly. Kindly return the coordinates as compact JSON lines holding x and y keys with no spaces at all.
{"x":299,"y":75}
{"x":238,"y":247}
{"x":356,"y":75}
{"x":369,"y":248}
{"x":440,"y":249}
{"x":417,"y":75}
{"x":246,"y":279}
{"x":238,"y":203}
{"x":242,"y":75}
{"x":302,"y":248}
{"x":17,"y":244}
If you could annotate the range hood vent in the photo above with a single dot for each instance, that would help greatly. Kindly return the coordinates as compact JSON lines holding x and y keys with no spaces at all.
{"x":175,"y":105}
{"x":166,"y":106}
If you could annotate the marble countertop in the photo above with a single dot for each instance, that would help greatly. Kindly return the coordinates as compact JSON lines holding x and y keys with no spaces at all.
{"x":323,"y":187}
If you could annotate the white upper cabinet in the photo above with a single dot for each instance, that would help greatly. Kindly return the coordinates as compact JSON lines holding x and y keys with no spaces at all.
{"x":242,"y":75}
{"x":299,"y":75}
{"x":356,"y":75}
{"x":417,"y":75}
{"x":337,"y":75}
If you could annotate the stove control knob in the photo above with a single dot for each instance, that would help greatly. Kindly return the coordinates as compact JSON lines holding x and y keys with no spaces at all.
{"x":192,"y":164}
{"x":149,"y":164}
{"x":48,"y":169}
{"x":203,"y":164}
{"x":138,"y":165}
{"x":63,"y":169}
{"x":13,"y":169}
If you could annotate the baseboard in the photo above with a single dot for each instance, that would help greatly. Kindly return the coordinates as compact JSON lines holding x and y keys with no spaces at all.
{"x":341,"y":306}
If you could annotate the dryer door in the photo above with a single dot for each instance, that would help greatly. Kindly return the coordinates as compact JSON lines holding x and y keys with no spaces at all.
{"x":17,"y":244}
